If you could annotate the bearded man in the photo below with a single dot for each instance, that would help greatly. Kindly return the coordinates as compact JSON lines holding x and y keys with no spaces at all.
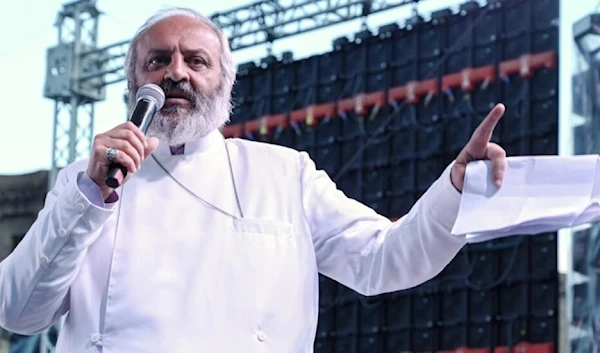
{"x":211,"y":244}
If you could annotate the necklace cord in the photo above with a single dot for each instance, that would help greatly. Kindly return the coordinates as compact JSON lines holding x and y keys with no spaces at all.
{"x":237,"y":198}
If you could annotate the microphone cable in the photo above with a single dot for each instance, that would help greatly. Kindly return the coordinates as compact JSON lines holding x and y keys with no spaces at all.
{"x":378,"y":133}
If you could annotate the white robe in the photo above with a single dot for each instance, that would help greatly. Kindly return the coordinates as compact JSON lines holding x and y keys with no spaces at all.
{"x":159,"y":271}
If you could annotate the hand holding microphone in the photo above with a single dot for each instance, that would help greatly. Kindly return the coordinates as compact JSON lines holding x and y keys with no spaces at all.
{"x":121,"y":150}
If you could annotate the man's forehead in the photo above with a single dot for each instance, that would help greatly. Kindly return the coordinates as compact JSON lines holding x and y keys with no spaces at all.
{"x":180,"y":31}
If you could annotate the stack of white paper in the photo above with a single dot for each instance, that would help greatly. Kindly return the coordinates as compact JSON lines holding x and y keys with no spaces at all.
{"x":539,"y":194}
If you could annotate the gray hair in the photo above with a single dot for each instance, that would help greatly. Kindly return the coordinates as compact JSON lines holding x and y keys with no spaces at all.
{"x":228,"y":67}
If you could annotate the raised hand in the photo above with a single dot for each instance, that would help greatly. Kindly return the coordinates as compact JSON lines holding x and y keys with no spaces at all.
{"x":479,"y":147}
{"x":132,"y":148}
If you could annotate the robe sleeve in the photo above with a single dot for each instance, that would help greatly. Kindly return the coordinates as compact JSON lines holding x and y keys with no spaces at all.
{"x":35,"y":278}
{"x":369,"y":253}
{"x":92,"y":192}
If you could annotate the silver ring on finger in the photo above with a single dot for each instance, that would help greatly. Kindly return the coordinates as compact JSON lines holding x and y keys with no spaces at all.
{"x":111,"y":154}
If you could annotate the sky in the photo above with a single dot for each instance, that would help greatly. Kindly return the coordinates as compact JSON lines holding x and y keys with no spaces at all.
{"x":27,"y":117}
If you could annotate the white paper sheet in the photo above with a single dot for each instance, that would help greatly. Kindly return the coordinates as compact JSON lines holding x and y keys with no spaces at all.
{"x":539,"y":194}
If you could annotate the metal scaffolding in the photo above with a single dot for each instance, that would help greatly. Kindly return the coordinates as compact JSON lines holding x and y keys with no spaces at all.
{"x":73,"y":93}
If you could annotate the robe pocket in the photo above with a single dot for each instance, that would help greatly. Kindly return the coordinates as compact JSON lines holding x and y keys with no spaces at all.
{"x":263,"y":227}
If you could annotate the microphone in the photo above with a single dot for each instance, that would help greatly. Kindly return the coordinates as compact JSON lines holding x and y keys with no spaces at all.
{"x":150,"y":98}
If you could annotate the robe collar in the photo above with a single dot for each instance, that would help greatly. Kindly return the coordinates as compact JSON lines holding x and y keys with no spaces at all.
{"x":204,"y":144}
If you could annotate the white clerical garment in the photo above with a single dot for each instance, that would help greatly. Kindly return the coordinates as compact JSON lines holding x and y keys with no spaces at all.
{"x":161,"y":271}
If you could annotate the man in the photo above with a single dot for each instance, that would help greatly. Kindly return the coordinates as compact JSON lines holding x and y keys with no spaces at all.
{"x":211,"y":245}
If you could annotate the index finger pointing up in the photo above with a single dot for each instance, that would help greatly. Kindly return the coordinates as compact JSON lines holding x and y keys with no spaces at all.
{"x":483,"y":133}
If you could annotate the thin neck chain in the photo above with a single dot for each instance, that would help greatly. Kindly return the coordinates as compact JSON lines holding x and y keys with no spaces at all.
{"x":237,"y":198}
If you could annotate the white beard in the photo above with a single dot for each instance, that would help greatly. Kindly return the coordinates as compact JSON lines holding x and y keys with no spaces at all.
{"x":173,"y":127}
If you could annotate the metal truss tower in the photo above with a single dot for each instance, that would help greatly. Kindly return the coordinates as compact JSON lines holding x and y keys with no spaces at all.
{"x":69,"y":83}
{"x":583,"y":274}
{"x":78,"y":71}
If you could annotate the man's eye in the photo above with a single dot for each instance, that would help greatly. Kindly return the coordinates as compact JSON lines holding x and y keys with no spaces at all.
{"x":161,"y":60}
{"x":197,"y":61}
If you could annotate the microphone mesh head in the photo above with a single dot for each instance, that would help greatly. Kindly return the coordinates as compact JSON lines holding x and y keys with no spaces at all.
{"x":153,"y":92}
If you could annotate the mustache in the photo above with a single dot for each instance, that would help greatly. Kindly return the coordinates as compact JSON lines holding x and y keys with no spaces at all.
{"x":181,"y":87}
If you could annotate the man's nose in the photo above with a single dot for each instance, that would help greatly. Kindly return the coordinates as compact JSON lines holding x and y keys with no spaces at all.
{"x":177,"y":70}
